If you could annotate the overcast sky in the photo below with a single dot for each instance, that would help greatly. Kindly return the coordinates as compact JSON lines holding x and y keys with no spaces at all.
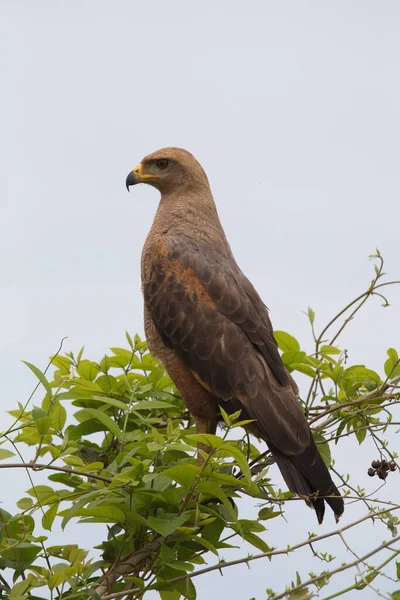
{"x":292,"y":107}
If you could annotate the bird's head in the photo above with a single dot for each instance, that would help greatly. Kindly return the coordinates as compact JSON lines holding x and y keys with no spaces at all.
{"x":169,"y":170}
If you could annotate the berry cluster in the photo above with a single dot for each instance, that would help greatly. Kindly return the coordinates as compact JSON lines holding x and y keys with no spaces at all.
{"x":381,"y":468}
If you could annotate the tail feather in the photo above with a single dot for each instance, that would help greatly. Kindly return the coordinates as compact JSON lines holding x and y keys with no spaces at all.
{"x":307,"y":476}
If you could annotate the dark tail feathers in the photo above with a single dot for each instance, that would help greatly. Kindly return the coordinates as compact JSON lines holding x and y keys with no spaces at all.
{"x":307,"y":476}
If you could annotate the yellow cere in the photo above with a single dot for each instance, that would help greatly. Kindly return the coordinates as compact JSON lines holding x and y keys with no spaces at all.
{"x":143,"y":176}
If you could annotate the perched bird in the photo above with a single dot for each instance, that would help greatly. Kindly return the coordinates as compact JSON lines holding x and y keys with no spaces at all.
{"x":210,"y":328}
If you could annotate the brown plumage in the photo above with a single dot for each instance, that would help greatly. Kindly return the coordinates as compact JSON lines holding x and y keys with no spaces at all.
{"x":206,"y":322}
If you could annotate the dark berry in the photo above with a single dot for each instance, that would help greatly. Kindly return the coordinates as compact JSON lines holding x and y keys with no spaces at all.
{"x":371,"y":472}
{"x":376,"y":464}
{"x":392,"y":465}
{"x":382,"y":474}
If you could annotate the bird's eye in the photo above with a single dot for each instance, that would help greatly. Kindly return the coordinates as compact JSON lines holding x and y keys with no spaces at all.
{"x":162,"y":163}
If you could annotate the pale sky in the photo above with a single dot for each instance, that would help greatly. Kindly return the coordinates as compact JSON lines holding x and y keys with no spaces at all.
{"x":292,"y":107}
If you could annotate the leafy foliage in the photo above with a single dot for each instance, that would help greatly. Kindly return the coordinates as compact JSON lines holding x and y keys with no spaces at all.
{"x":121,"y":449}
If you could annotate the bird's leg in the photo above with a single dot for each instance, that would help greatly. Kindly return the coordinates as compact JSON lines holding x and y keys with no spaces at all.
{"x":204,"y":426}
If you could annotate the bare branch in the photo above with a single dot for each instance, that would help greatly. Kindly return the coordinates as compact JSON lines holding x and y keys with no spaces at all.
{"x":223,"y":565}
{"x":41,"y":467}
{"x":339,"y":569}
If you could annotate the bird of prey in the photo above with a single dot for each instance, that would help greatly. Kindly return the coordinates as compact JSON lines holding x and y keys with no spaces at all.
{"x":206,"y":322}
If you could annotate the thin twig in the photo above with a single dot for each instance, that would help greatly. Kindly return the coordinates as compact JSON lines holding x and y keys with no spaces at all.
{"x":223,"y":565}
{"x":374,"y":395}
{"x":337,"y":570}
{"x":41,"y":467}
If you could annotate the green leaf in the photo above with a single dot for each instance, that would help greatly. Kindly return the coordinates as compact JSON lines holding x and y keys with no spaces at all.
{"x":75,"y":432}
{"x":88,"y":369}
{"x":40,"y":376}
{"x":25,"y":503}
{"x":361,"y":434}
{"x":151,"y":405}
{"x":392,"y":368}
{"x":112,"y":402}
{"x":167,"y":523}
{"x":104,"y":419}
{"x":323,"y":448}
{"x":240,"y":458}
{"x":86,"y":386}
{"x":256,"y":541}
{"x":19,"y":590}
{"x":4,"y":453}
{"x":105,"y":364}
{"x":58,"y":578}
{"x":306,"y":369}
{"x":73,"y":461}
{"x":122,"y":352}
{"x":41,"y":492}
{"x":49,"y":516}
{"x":340,"y":431}
{"x":43,"y":425}
{"x":4,"y":515}
{"x":169,"y":594}
{"x":243,"y":423}
{"x":23,"y":553}
{"x":212,"y":531}
{"x":183,"y":474}
{"x":212,"y":489}
{"x":103,"y":513}
{"x":92,"y":467}
{"x":66,"y":479}
{"x":251,"y":525}
{"x":108,"y":383}
{"x":38,"y":413}
{"x":361,"y":374}
{"x":225,"y":416}
{"x":186,"y":588}
{"x":224,"y":478}
{"x":330,"y":350}
{"x":286,"y":342}
{"x":214,"y":441}
{"x":119,"y":362}
{"x":129,"y":339}
{"x":293,"y":357}
{"x":303,"y":594}
{"x":206,"y":544}
{"x":58,"y":416}
{"x":31,"y":436}
{"x":268,"y":513}
{"x":180,"y":566}
{"x":311,"y":315}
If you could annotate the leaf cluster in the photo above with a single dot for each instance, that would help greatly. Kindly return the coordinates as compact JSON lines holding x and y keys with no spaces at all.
{"x":120,"y":449}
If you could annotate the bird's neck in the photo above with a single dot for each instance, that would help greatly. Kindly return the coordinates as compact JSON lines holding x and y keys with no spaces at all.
{"x":189,"y":215}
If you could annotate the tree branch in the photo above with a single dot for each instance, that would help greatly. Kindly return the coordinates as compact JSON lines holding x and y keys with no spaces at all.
{"x":338,"y":569}
{"x":368,"y":396}
{"x":311,"y":540}
{"x":41,"y":467}
{"x":126,"y":567}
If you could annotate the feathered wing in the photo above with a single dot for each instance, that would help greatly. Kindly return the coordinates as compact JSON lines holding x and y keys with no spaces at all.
{"x":208,"y":312}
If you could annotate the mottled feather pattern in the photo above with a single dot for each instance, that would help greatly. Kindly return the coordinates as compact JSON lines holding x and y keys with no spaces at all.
{"x":200,"y":310}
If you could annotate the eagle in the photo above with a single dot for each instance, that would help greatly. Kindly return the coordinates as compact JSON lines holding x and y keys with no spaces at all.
{"x":207,"y":324}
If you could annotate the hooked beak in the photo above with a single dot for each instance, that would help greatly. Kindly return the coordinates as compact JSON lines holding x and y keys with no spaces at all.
{"x":132,"y":179}
{"x":137,"y":176}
